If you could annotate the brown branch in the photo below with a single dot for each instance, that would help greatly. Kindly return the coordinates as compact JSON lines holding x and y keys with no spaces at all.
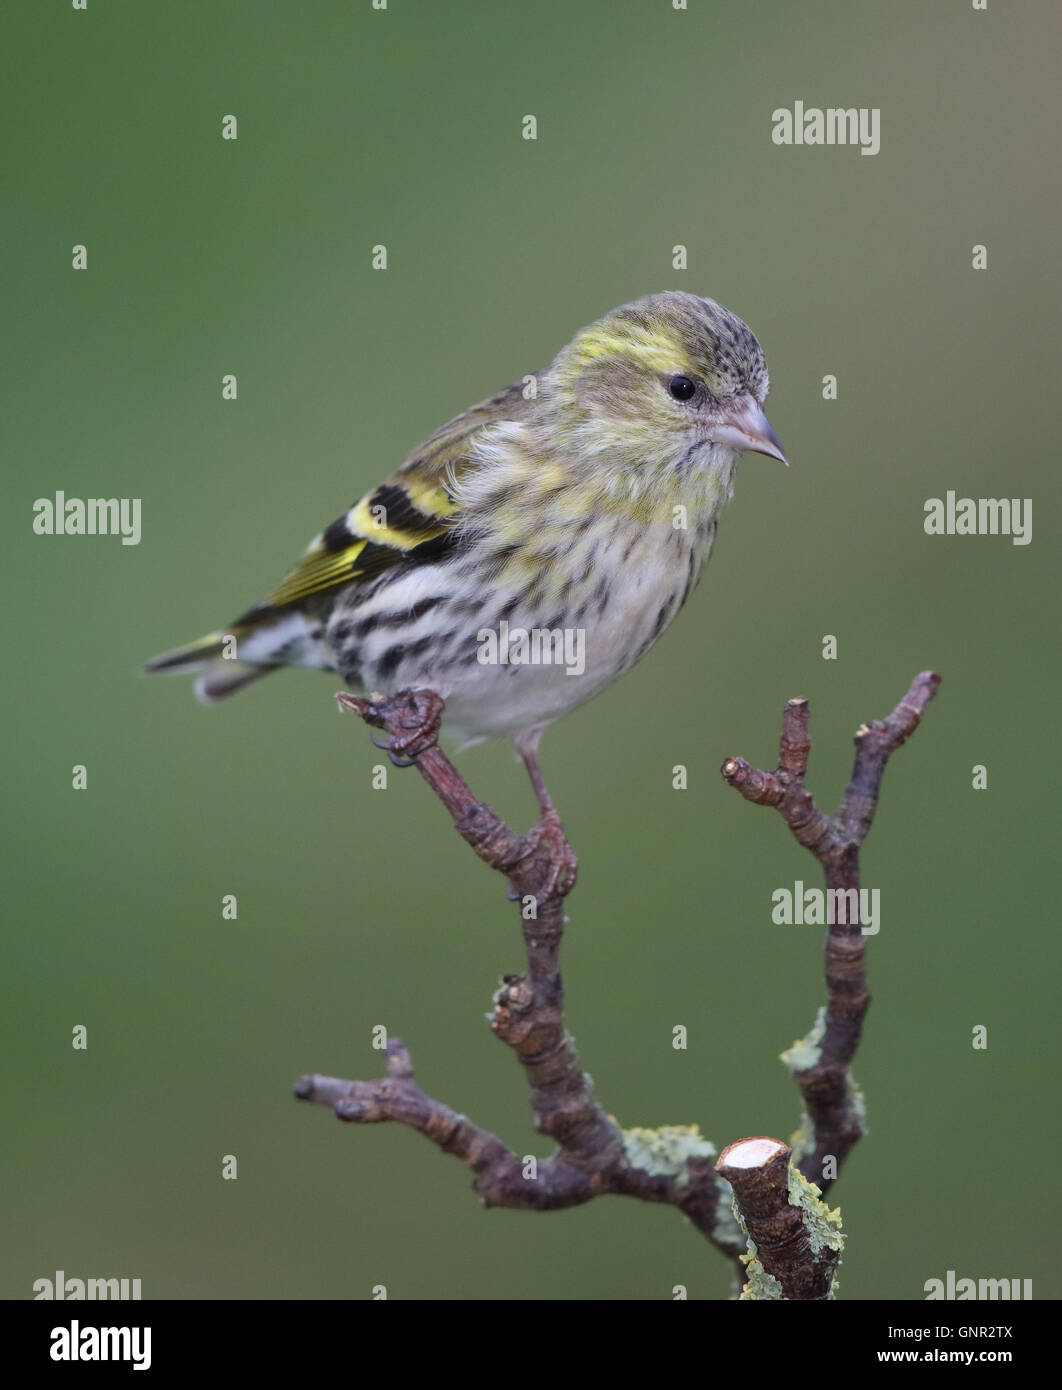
{"x":794,"y":1240}
{"x":499,"y":1173}
{"x":527,"y":1009}
{"x":833,"y":1105}
{"x":594,"y":1155}
{"x":503,"y":1178}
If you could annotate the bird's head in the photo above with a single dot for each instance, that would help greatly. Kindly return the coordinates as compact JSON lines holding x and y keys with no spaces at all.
{"x":671,"y":381}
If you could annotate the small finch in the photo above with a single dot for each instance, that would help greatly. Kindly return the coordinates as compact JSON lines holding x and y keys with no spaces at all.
{"x":535,"y":547}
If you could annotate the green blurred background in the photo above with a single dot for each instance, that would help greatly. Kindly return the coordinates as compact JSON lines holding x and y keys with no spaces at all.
{"x":358,"y":907}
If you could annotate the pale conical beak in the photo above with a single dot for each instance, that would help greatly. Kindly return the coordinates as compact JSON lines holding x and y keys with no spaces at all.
{"x":746,"y":427}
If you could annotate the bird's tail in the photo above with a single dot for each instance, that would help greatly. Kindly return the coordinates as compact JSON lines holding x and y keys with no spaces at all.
{"x":218,"y":674}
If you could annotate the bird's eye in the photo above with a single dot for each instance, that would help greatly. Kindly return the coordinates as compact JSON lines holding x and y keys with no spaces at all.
{"x":682,"y":388}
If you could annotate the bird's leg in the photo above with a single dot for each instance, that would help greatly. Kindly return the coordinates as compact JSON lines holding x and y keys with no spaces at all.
{"x":548,"y":831}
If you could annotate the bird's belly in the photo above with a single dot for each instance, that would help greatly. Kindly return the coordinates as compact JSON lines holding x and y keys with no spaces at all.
{"x":519,"y":659}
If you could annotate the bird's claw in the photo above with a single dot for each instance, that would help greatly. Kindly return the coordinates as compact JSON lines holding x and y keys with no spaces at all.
{"x":385,"y":746}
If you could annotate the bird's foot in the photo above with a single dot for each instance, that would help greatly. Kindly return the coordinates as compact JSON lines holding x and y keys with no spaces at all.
{"x":548,"y":843}
{"x":410,"y":718}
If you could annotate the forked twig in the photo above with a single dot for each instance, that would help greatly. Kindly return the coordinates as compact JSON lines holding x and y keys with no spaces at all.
{"x":820,"y":1064}
{"x":594,"y":1155}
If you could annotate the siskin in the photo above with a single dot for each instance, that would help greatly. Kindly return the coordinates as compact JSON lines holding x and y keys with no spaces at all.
{"x":535,"y":547}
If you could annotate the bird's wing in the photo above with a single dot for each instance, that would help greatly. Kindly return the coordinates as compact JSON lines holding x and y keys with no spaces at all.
{"x":405,"y":520}
{"x":400,"y":518}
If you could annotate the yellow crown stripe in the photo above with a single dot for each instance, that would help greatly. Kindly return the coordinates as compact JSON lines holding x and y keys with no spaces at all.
{"x":658,"y":351}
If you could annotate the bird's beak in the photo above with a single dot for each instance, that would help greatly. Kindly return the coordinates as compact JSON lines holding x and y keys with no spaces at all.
{"x":744,"y":426}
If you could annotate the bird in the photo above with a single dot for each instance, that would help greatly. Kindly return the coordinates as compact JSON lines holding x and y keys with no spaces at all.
{"x":535,"y":547}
